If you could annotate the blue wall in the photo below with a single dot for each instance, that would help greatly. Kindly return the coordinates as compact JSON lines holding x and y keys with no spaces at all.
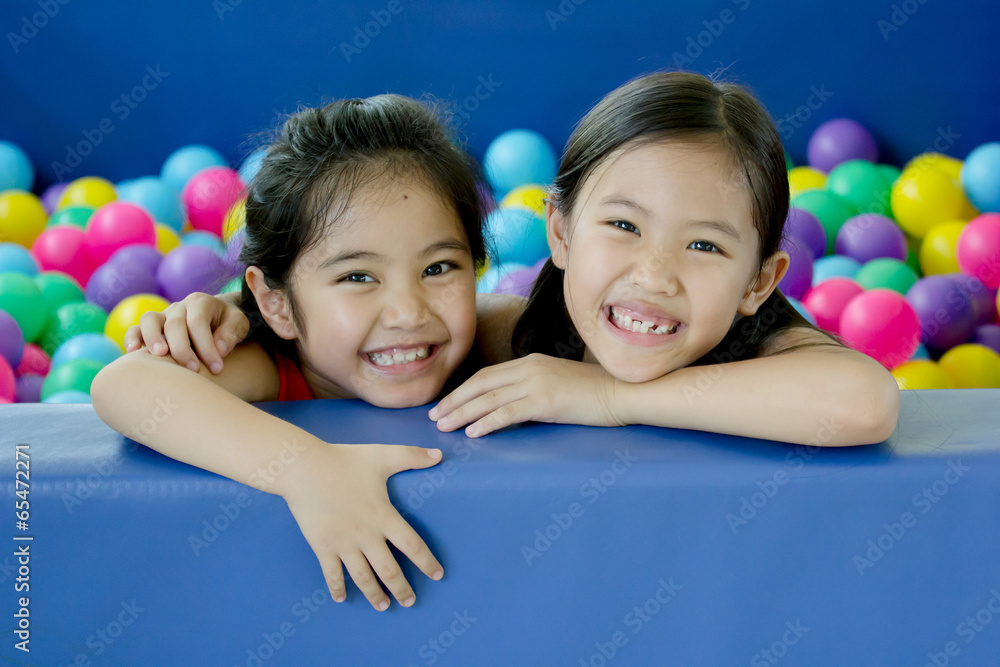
{"x":228,"y":69}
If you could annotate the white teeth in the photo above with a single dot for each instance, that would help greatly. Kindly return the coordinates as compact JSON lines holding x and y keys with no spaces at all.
{"x":639,"y":326}
{"x":423,"y":352}
{"x":381,"y":359}
{"x":411,"y":356}
{"x":627,"y":320}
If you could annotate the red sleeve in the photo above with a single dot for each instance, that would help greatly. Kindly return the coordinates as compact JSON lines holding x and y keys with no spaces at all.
{"x":293,"y":386}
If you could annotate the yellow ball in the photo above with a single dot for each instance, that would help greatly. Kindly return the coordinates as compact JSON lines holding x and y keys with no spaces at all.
{"x":22,"y":217}
{"x":925,"y":195}
{"x":801,"y":179}
{"x":127,"y":313}
{"x":88,"y":191}
{"x":972,"y":366}
{"x":937,"y":250}
{"x":481,"y":267}
{"x":946,"y":163}
{"x":530,"y":197}
{"x":236,"y":218}
{"x":921,"y":374}
{"x":166,"y":238}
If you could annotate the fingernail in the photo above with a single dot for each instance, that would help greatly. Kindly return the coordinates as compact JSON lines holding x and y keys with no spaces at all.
{"x":473,"y":432}
{"x":340,"y":598}
{"x":434,"y":453}
{"x":216,"y":367}
{"x":159,"y":348}
{"x":438,"y":573}
{"x":192,"y":365}
{"x":383,"y":605}
{"x":433,"y":413}
{"x":408,"y":602}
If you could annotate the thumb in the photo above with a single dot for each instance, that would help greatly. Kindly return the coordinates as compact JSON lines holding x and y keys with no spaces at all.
{"x":403,"y":457}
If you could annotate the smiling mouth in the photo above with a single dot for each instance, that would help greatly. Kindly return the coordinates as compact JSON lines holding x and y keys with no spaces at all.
{"x":656,"y":327}
{"x":398,"y":356}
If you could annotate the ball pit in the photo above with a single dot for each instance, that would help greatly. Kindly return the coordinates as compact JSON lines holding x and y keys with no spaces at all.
{"x":830,"y":209}
{"x":88,"y":191}
{"x":883,"y":325}
{"x":22,"y":217}
{"x":23,"y":301}
{"x":71,"y":320}
{"x":840,"y":140}
{"x":980,"y":177}
{"x":77,"y":216}
{"x":116,"y":225}
{"x":947,"y":318}
{"x":190,"y":268}
{"x":64,"y":248}
{"x":834,"y":266}
{"x":127,"y":313}
{"x":937,"y":250}
{"x":972,"y":366}
{"x":886,"y":273}
{"x":15,"y":258}
{"x":93,"y":346}
{"x":865,"y":184}
{"x":868,"y":236}
{"x":156,"y":197}
{"x":827,"y":300}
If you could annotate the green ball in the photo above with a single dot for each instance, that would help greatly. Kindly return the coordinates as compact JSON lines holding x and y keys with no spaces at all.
{"x":830,"y":209}
{"x":58,"y":289}
{"x":22,"y":299}
{"x":234,"y":285}
{"x":78,"y":216}
{"x":891,"y":173}
{"x":71,"y":320}
{"x":863,"y":184}
{"x":913,"y":262}
{"x":789,"y":165}
{"x":77,"y":374}
{"x":888,"y":273}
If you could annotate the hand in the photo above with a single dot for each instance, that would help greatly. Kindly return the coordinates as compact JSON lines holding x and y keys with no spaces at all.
{"x":341,"y":504}
{"x":215,"y":327}
{"x":537,"y":388}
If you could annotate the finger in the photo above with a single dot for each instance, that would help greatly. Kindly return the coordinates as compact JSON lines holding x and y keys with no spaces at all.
{"x":232,"y":331}
{"x":389,"y":572}
{"x":502,"y":417}
{"x":404,"y":538}
{"x":176,"y":331}
{"x":482,"y":382}
{"x":333,"y":573}
{"x":363,"y":577}
{"x":151,"y":328}
{"x":480,"y":406}
{"x":133,"y":338}
{"x":397,"y":458}
{"x":199,"y":329}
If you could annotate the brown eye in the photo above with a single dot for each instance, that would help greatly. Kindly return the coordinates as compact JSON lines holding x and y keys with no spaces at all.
{"x":705,"y":246}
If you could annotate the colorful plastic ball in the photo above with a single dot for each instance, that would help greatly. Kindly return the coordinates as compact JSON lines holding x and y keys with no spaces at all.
{"x":116,"y":225}
{"x":234,"y":267}
{"x":798,"y":278}
{"x":94,"y":346}
{"x":982,"y":297}
{"x":58,"y":289}
{"x":789,"y":165}
{"x":28,"y":388}
{"x":33,"y":361}
{"x":11,"y":339}
{"x":128,"y":312}
{"x":185,"y":162}
{"x":50,"y":198}
{"x":937,"y":249}
{"x":205,"y":240}
{"x":88,"y":191}
{"x":802,"y":179}
{"x":921,"y":374}
{"x":978,"y":249}
{"x":490,"y":280}
{"x":63,"y":248}
{"x":886,"y":273}
{"x":981,"y":177}
{"x":531,"y":197}
{"x":209,"y":195}
{"x":236,"y":219}
{"x":166,"y":238}
{"x":155,"y":197}
{"x":924,"y":196}
{"x":251,"y":165}
{"x":972,"y":366}
{"x":921,"y":353}
{"x":801,"y":310}
{"x":76,"y":375}
{"x":77,"y":216}
{"x":517,"y":282}
{"x":868,"y":236}
{"x":114,"y":281}
{"x":804,"y":226}
{"x":830,"y":209}
{"x":516,"y":236}
{"x":71,"y":320}
{"x":67,"y":397}
{"x":988,"y":335}
{"x":833,"y":266}
{"x":22,"y":217}
{"x":234,"y":285}
{"x":8,"y":383}
{"x":141,"y":254}
{"x":946,"y":315}
{"x":826,"y":301}
{"x":16,"y":172}
{"x":840,"y":140}
{"x":518,"y":157}
{"x":23,"y":301}
{"x":881,"y":324}
{"x":863,"y":184}
{"x":890,"y":172}
{"x":946,"y":163}
{"x":190,"y":268}
{"x":15,"y":258}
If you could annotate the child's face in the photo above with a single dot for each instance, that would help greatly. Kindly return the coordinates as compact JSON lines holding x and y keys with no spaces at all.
{"x":388,"y":298}
{"x":660,"y":233}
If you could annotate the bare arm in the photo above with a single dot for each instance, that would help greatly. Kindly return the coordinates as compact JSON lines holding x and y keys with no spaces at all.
{"x":496,"y":315}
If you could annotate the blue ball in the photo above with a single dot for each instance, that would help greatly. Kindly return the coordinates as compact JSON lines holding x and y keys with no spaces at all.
{"x":518,"y":157}
{"x":16,"y":172}
{"x":188,"y":161}
{"x":921,"y":353}
{"x":834,"y":265}
{"x":207,"y":239}
{"x":492,"y":276}
{"x":93,"y":346}
{"x":251,"y":165}
{"x":15,"y":258}
{"x":981,"y":177}
{"x":516,"y":235}
{"x":802,"y":310}
{"x":159,"y":199}
{"x":68,"y":396}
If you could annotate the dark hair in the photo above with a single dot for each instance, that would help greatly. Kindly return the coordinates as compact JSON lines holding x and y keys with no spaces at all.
{"x":684,"y":107}
{"x":322,"y":157}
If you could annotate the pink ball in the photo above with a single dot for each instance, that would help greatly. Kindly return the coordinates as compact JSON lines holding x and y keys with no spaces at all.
{"x":8,"y":383}
{"x":63,"y":248}
{"x":117,"y":225}
{"x":881,"y":324}
{"x":827,"y":301}
{"x":978,"y":249}
{"x":209,"y":195}
{"x":33,"y":361}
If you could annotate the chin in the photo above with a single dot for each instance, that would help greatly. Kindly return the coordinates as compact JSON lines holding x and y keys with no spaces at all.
{"x":406,"y":398}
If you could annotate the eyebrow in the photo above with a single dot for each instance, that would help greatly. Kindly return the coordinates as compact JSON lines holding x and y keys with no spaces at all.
{"x":365,"y":255}
{"x":719,"y":226}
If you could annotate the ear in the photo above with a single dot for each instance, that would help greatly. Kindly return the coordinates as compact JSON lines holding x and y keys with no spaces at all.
{"x":273,"y":304}
{"x":557,"y":230}
{"x":770,"y":275}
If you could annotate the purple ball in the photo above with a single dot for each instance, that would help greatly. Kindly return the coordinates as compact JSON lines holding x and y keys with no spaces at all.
{"x":537,"y":266}
{"x":840,"y":140}
{"x":517,"y":282}
{"x":983,"y":298}
{"x":988,"y":335}
{"x":28,"y":388}
{"x":139,"y":253}
{"x":798,"y":278}
{"x":51,"y":196}
{"x":946,"y":316}
{"x":11,"y":339}
{"x":869,"y":236}
{"x":190,"y":268}
{"x":805,"y":226}
{"x":233,"y":249}
{"x":113,"y":281}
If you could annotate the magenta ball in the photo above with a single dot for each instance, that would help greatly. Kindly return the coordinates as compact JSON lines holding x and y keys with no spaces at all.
{"x":840,"y":140}
{"x":984,"y":300}
{"x":881,"y":324}
{"x":28,"y":388}
{"x":114,"y":281}
{"x":826,"y":301}
{"x":805,"y":226}
{"x":8,"y":383}
{"x":63,"y":248}
{"x":798,"y":278}
{"x":11,"y":339}
{"x":869,"y":236}
{"x":34,"y":360}
{"x":978,"y":249}
{"x":517,"y":282}
{"x":190,"y":268}
{"x":116,"y":225}
{"x":146,"y":255}
{"x":50,"y":198}
{"x":947,"y":317}
{"x":209,"y":195}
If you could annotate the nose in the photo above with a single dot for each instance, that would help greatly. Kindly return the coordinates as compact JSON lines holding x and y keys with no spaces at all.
{"x":655,"y":273}
{"x":406,"y":308}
